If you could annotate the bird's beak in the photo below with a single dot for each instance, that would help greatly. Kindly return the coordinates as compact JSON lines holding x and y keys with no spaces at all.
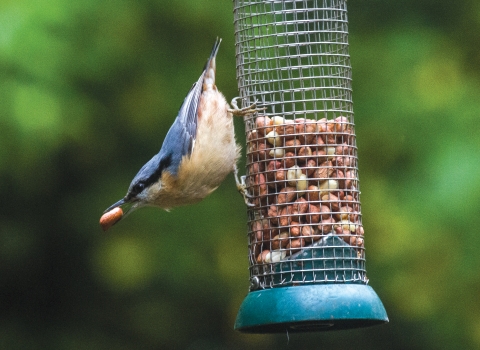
{"x":127,"y":204}
{"x":118,"y":204}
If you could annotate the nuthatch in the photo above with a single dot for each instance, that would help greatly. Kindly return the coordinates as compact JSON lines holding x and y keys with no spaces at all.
{"x":198,"y":152}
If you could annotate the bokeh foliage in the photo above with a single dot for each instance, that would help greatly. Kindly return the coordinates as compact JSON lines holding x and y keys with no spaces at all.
{"x":88,"y":91}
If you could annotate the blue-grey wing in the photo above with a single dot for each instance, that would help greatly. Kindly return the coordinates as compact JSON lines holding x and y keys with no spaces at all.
{"x":187,"y":117}
{"x":188,"y":114}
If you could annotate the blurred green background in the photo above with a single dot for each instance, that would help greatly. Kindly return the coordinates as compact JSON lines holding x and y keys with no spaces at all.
{"x":88,"y":90}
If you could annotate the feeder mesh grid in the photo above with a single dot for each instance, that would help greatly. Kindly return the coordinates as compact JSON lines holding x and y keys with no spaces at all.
{"x":302,"y":171}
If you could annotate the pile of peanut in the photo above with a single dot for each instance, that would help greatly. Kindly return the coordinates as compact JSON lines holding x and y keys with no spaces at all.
{"x":302,"y":174}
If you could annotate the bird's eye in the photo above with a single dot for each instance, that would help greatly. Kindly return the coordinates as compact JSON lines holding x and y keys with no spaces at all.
{"x":138,"y":188}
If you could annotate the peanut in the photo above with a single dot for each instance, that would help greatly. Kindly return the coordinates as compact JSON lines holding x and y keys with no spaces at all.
{"x":277,"y":256}
{"x":334,"y":204}
{"x":305,"y":129}
{"x":257,"y":229}
{"x":286,"y":129}
{"x":272,"y":166}
{"x":324,"y":171}
{"x":326,"y":225}
{"x":283,"y":219}
{"x":338,"y":174}
{"x":280,"y":240}
{"x":358,"y":241}
{"x":263,"y":230}
{"x":262,"y":257}
{"x":259,"y":151}
{"x":345,"y":233}
{"x":346,"y":225}
{"x":360,"y":231}
{"x":325,"y":212}
{"x":352,"y":240}
{"x":320,"y":155}
{"x":276,"y":153}
{"x":273,"y":138}
{"x":289,"y":159}
{"x":262,"y":124}
{"x":255,"y":168}
{"x":330,"y":138}
{"x":307,"y":233}
{"x":313,"y":195}
{"x":344,"y":150}
{"x":292,"y":145}
{"x":253,"y":135}
{"x":273,"y":214}
{"x":344,"y":161}
{"x":295,"y":245}
{"x":286,"y":195}
{"x":296,"y":178}
{"x":280,"y":175}
{"x":328,"y":185}
{"x":302,"y":184}
{"x":260,"y":185}
{"x":350,"y":139}
{"x":313,"y":216}
{"x":322,"y":125}
{"x":344,"y":213}
{"x":305,"y":152}
{"x":293,"y":173}
{"x":267,"y":256}
{"x":276,"y":120}
{"x":110,"y":218}
{"x":269,"y":233}
{"x":295,"y":229}
{"x":293,"y":212}
{"x":351,"y":196}
{"x":300,"y":206}
{"x":320,"y":141}
{"x":341,"y":124}
{"x":330,"y":151}
{"x":310,"y":167}
{"x":350,"y":179}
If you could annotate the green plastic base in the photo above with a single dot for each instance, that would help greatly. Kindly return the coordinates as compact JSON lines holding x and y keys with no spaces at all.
{"x":317,"y":307}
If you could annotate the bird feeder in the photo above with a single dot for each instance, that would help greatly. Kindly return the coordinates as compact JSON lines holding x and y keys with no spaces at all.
{"x":305,"y":234}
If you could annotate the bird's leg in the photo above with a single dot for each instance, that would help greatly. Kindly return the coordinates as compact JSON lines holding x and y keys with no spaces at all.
{"x":242,"y":187}
{"x":240,"y":112}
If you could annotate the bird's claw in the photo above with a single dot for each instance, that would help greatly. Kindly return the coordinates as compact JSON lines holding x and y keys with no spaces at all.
{"x":240,"y":112}
{"x":242,"y":188}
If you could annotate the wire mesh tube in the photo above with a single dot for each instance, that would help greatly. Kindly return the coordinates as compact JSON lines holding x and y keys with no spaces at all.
{"x":305,"y":233}
{"x":302,"y":169}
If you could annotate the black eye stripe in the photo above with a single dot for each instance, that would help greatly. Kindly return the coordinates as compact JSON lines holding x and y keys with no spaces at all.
{"x":164,"y":163}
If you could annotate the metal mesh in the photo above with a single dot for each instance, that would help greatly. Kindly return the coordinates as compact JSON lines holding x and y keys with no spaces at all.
{"x":306,"y":226}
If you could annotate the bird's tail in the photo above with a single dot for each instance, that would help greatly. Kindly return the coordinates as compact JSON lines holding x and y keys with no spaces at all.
{"x":210,"y":68}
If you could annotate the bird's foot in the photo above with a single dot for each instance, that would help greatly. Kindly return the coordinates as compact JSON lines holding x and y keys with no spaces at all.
{"x":242,"y":188}
{"x":241,"y":112}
